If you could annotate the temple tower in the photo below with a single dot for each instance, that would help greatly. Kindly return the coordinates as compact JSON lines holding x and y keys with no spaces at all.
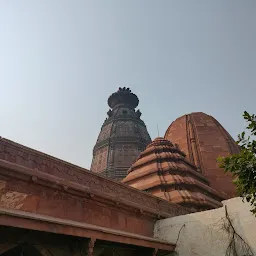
{"x":163,"y":171}
{"x":203,"y":139}
{"x":122,"y":137}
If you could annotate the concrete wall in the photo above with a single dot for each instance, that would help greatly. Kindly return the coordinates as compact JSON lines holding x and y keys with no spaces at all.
{"x":203,"y":234}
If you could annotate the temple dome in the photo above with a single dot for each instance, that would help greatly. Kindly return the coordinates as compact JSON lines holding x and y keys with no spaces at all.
{"x":123,"y":96}
{"x":162,"y":170}
{"x":203,"y":139}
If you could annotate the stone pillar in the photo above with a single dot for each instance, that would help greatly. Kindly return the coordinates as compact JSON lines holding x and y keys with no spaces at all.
{"x":83,"y":248}
{"x":154,"y":252}
{"x":90,"y":247}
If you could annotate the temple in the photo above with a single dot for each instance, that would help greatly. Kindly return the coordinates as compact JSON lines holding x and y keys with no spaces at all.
{"x":49,"y":207}
{"x":122,"y":137}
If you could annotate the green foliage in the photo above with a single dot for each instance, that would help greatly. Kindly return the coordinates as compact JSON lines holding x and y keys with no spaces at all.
{"x":243,"y":165}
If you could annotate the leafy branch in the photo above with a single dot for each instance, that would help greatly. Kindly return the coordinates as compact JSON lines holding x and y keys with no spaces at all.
{"x":243,"y":165}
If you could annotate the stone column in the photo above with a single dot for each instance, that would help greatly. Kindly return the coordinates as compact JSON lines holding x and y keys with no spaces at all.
{"x":154,"y":252}
{"x":90,"y":247}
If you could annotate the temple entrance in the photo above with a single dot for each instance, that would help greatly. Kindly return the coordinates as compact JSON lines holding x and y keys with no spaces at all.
{"x":25,"y":242}
{"x":105,"y":248}
{"x":22,"y":250}
{"x":101,"y":249}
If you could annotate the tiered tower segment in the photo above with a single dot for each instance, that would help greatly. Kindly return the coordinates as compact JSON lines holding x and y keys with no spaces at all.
{"x":122,"y":137}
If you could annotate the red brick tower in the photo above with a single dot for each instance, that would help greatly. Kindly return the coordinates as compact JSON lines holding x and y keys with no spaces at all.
{"x":203,"y":139}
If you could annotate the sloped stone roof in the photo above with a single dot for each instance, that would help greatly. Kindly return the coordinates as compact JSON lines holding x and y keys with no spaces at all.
{"x":162,"y":170}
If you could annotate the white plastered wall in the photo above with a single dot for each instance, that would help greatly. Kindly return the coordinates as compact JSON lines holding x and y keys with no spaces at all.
{"x":202,"y":233}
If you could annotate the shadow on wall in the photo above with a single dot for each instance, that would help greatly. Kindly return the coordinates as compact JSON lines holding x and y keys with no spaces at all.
{"x":213,"y":232}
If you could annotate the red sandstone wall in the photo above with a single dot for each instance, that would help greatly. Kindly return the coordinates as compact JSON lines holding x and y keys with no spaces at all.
{"x":35,"y":198}
{"x":117,"y":206}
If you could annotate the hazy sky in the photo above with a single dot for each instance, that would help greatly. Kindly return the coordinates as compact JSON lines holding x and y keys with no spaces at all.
{"x":61,"y":59}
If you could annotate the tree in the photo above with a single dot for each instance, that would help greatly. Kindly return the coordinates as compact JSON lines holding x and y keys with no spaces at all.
{"x":243,"y":165}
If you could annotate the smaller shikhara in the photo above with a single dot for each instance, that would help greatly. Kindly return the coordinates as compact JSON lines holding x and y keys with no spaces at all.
{"x":162,"y":170}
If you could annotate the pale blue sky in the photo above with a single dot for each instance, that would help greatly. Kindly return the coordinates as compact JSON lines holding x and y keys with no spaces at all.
{"x":61,"y":59}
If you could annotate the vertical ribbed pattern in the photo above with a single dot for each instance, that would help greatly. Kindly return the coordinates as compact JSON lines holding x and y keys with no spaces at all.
{"x":203,"y":139}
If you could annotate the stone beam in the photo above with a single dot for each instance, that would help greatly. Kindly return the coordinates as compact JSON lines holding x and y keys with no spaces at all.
{"x":26,"y":220}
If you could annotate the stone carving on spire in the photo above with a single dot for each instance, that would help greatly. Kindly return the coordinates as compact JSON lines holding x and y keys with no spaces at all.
{"x":138,"y":113}
{"x":109,"y":113}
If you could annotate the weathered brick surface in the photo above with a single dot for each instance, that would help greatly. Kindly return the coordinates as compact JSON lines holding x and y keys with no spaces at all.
{"x":202,"y":138}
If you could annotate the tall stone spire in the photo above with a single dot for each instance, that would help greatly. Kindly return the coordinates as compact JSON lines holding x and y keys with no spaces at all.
{"x":122,"y":137}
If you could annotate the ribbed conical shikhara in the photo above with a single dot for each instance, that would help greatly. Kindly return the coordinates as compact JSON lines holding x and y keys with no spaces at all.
{"x":203,"y":139}
{"x":163,"y":171}
{"x":122,"y":137}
